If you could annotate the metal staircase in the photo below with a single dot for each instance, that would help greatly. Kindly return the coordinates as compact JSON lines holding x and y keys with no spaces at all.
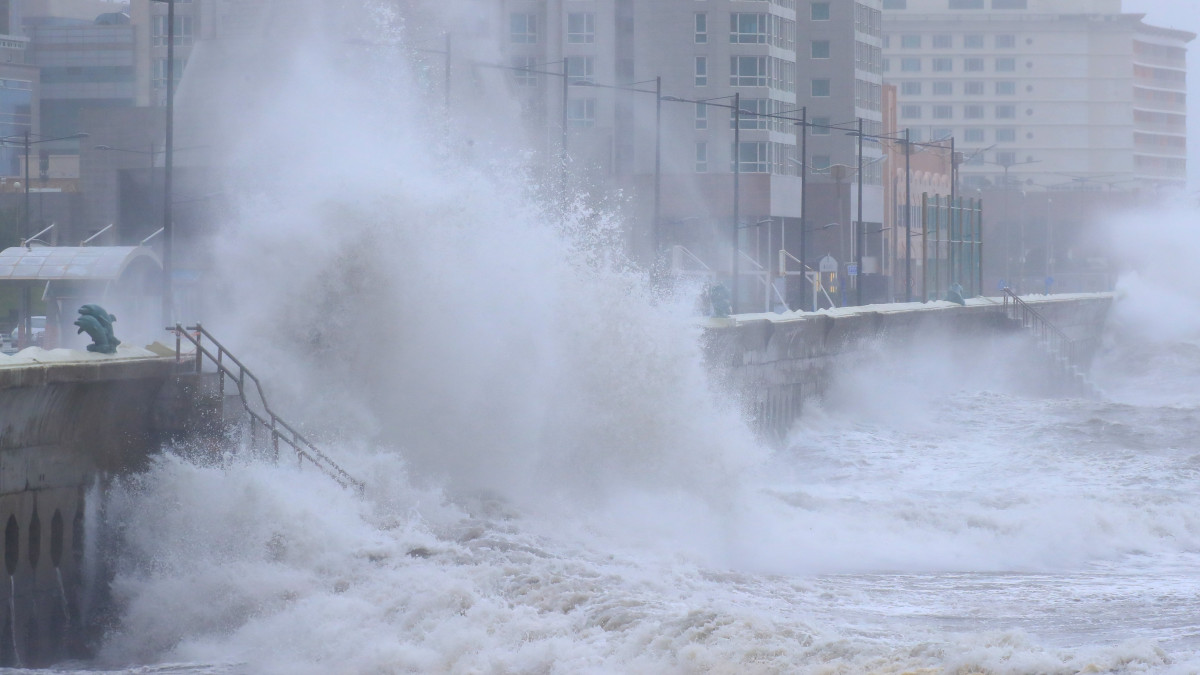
{"x":228,"y":366}
{"x":1067,"y":356}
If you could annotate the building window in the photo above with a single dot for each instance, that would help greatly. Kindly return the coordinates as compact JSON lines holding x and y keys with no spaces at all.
{"x":910,"y":88}
{"x":820,"y":162}
{"x":1006,"y":88}
{"x":910,"y":65}
{"x":581,"y":28}
{"x":943,"y":41}
{"x":966,"y":4}
{"x":701,"y":115}
{"x":1006,"y":112}
{"x":747,"y":71}
{"x":941,"y":133}
{"x":973,"y":88}
{"x":1006,"y":135}
{"x":943,"y":88}
{"x":910,"y":112}
{"x":183,"y":30}
{"x":701,"y":71}
{"x":580,"y":69}
{"x":895,"y":4}
{"x":943,"y":112}
{"x":701,"y":28}
{"x":754,"y":157}
{"x":1006,"y":158}
{"x":973,"y":112}
{"x":1010,"y":4}
{"x":522,"y":67}
{"x":820,"y":11}
{"x":1006,"y":42}
{"x":910,"y":41}
{"x":820,"y":49}
{"x":522,"y":29}
{"x":581,"y":113}
{"x":973,"y":65}
{"x":746,"y":28}
{"x":701,"y":157}
{"x":1006,"y":65}
{"x":819,"y":126}
{"x":753,"y":114}
{"x":973,"y":135}
{"x":820,"y":86}
{"x":973,"y":41}
{"x":943,"y":64}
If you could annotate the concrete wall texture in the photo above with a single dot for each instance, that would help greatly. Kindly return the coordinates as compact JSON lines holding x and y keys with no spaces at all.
{"x":775,"y":364}
{"x":63,"y":426}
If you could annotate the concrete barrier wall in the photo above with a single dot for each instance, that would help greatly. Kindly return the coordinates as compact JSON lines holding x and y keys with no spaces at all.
{"x":63,"y":427}
{"x":775,"y":362}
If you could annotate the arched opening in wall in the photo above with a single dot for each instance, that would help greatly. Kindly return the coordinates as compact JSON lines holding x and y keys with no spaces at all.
{"x":12,"y":545}
{"x":35,"y":539}
{"x":56,"y":538}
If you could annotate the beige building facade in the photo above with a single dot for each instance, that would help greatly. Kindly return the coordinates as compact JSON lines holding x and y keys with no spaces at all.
{"x":1056,"y":94}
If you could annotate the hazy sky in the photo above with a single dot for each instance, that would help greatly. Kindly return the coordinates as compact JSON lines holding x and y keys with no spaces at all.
{"x":1184,"y":15}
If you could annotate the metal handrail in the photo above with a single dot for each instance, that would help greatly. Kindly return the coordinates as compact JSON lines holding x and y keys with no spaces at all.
{"x":1040,"y":325}
{"x":303,"y":448}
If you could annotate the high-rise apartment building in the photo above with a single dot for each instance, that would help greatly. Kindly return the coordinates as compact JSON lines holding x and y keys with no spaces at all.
{"x":19,"y":84}
{"x":1053,"y":93}
{"x":773,"y":57}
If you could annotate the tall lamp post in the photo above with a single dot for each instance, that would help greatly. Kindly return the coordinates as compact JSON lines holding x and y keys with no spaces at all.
{"x":168,"y":166}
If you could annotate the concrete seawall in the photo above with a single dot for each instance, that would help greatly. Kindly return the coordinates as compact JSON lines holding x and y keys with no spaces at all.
{"x":775,"y":362}
{"x":64,"y":427}
{"x":68,"y":425}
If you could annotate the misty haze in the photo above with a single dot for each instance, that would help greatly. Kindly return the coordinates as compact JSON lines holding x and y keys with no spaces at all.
{"x":599,"y":336}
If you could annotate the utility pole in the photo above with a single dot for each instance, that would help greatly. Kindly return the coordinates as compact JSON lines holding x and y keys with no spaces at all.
{"x":803,"y":200}
{"x":908,"y":284}
{"x":737,"y":180}
{"x":858,"y":224}
{"x":656,"y":235}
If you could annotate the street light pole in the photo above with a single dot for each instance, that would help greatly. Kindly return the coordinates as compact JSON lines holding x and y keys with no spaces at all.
{"x":168,"y":170}
{"x":656,"y":236}
{"x":26,"y":294}
{"x":858,"y":225}
{"x":737,"y":179}
{"x":908,"y":285}
{"x":803,"y":199}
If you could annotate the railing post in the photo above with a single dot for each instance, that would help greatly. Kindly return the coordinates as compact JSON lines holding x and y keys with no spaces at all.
{"x":274,"y":439}
{"x":199,"y":352}
{"x":178,"y":343}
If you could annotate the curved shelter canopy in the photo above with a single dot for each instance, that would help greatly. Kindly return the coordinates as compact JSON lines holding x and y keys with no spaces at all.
{"x":72,"y":263}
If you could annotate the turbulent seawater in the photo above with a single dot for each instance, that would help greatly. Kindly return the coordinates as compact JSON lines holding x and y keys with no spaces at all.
{"x":555,"y":486}
{"x":967,"y":531}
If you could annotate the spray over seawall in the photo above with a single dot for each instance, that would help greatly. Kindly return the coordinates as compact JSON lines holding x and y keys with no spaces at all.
{"x":405,"y":287}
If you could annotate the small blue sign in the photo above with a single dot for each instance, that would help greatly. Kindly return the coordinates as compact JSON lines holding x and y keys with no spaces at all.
{"x":852,"y":269}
